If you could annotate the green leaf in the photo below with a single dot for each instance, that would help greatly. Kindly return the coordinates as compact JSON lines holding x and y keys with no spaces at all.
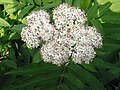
{"x":38,"y":2}
{"x":111,"y":17}
{"x":111,"y":46}
{"x":99,"y":63}
{"x":24,"y":1}
{"x":115,"y":71}
{"x":7,"y":80}
{"x":18,"y":28}
{"x":4,"y":23}
{"x":92,"y":12}
{"x":37,"y":58}
{"x":25,"y":55}
{"x":11,"y":54}
{"x":104,"y":8}
{"x":85,"y":4}
{"x":111,"y":41}
{"x":11,"y":35}
{"x":2,"y":33}
{"x":53,"y":86}
{"x":109,"y":56}
{"x":37,"y":8}
{"x":1,"y":47}
{"x":33,"y":80}
{"x":115,"y":36}
{"x":30,"y":1}
{"x":98,"y":25}
{"x":64,"y":87}
{"x":87,"y":77}
{"x":103,"y":1}
{"x":9,"y":63}
{"x":115,"y":7}
{"x":16,"y":36}
{"x":76,"y":82}
{"x":31,"y":51}
{"x":32,"y":69}
{"x":25,"y":11}
{"x":77,"y":3}
{"x":69,"y":2}
{"x":51,"y":5}
{"x":47,"y":1}
{"x":111,"y":28}
{"x":71,"y":85}
{"x":8,"y":6}
{"x":7,"y":1}
{"x":109,"y":75}
{"x":106,"y":77}
{"x":12,"y":10}
{"x":89,"y":67}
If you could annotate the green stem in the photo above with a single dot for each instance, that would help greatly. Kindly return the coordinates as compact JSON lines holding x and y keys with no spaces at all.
{"x":62,"y":76}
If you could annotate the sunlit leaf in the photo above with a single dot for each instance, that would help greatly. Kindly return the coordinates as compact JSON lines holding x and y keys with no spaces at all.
{"x":4,"y":23}
{"x":7,"y":1}
{"x":104,"y":8}
{"x":115,"y":4}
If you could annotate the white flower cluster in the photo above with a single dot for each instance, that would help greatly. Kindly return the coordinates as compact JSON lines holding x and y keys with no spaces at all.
{"x":38,"y":28}
{"x":65,"y":16}
{"x":67,"y":37}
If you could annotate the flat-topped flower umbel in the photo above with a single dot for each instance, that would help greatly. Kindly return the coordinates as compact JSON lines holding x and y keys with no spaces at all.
{"x":67,"y":36}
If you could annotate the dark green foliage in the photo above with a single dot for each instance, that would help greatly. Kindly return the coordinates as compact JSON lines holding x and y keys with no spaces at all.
{"x":23,"y":69}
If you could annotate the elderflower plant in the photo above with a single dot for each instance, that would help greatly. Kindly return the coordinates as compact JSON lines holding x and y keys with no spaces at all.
{"x":67,"y":36}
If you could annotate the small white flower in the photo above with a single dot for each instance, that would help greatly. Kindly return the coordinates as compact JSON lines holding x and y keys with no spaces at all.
{"x":86,"y":35}
{"x":40,"y":16}
{"x":45,"y":32}
{"x":83,"y":53}
{"x":38,"y":27}
{"x":55,"y":53}
{"x":66,"y":16}
{"x":28,"y":37}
